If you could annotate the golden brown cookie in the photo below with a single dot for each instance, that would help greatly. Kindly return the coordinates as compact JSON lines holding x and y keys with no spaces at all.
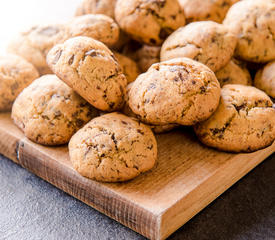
{"x":234,"y":73}
{"x":34,"y":44}
{"x":202,"y":10}
{"x":91,"y":69}
{"x":113,"y":148}
{"x":49,"y":112}
{"x":97,"y":26}
{"x":106,"y":7}
{"x":252,"y":22}
{"x":265,"y":79}
{"x":207,"y":42}
{"x":147,"y":56}
{"x":15,"y":74}
{"x":180,"y":91}
{"x":128,"y":112}
{"x":149,"y":21}
{"x":129,"y":67}
{"x":243,"y":122}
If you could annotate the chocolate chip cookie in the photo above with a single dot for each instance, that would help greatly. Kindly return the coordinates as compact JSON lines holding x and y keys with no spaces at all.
{"x":180,"y":91}
{"x":198,"y":10}
{"x":106,"y":7}
{"x":49,"y":112}
{"x":91,"y":69}
{"x":265,"y":79}
{"x":147,"y":56}
{"x":234,"y":73}
{"x":253,"y":23}
{"x":243,"y":122}
{"x":129,"y":67}
{"x":207,"y":42}
{"x":149,"y":21}
{"x":15,"y":74}
{"x":113,"y":148}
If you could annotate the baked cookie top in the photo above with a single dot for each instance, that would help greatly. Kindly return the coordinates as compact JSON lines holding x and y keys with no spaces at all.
{"x":149,"y":21}
{"x":252,"y":22}
{"x":175,"y":91}
{"x":198,"y":10}
{"x":15,"y":74}
{"x":49,"y":112}
{"x":265,"y":79}
{"x":91,"y":69}
{"x":243,"y":122}
{"x":113,"y":148}
{"x":207,"y":42}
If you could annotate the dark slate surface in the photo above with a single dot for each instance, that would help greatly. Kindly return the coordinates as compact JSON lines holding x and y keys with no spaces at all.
{"x":32,"y":209}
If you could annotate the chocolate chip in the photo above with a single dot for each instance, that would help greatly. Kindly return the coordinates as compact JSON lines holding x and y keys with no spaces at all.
{"x":79,"y":122}
{"x":165,"y":32}
{"x":153,"y":41}
{"x":71,"y":60}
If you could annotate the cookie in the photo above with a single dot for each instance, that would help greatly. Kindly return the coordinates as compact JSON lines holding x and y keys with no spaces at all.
{"x":15,"y":74}
{"x":49,"y":112}
{"x":34,"y":44}
{"x":207,"y":42}
{"x":243,"y":122}
{"x":234,"y":73}
{"x":198,"y":10}
{"x":149,"y":21}
{"x":113,"y":148}
{"x":147,"y":56}
{"x":265,"y":79}
{"x":128,"y":112}
{"x":252,"y":22}
{"x":106,"y":7}
{"x":97,"y":26}
{"x":129,"y":67}
{"x":91,"y":69}
{"x":180,"y":91}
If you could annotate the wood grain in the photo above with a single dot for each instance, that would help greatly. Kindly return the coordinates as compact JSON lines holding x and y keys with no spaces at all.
{"x":186,"y":178}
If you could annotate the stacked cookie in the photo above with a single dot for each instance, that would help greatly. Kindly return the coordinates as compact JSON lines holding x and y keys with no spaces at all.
{"x":122,"y":70}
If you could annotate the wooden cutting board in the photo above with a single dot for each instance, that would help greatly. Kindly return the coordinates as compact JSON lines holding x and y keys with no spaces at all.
{"x":186,"y":178}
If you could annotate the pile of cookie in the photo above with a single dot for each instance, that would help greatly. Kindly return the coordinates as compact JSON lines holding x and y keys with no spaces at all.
{"x":122,"y":71}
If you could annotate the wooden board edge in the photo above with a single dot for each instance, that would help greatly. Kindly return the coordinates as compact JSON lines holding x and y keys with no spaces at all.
{"x":187,"y":208}
{"x":90,"y":192}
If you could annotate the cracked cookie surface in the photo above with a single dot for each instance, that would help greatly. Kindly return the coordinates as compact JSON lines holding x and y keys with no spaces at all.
{"x":129,"y":67}
{"x":243,"y":122}
{"x":234,"y":72}
{"x":15,"y":74}
{"x":91,"y":69}
{"x":175,"y":91}
{"x":106,"y":7}
{"x":252,"y":22}
{"x":49,"y":112}
{"x":207,"y":42}
{"x":113,"y":148}
{"x":149,"y":21}
{"x":198,"y":10}
{"x":265,"y":79}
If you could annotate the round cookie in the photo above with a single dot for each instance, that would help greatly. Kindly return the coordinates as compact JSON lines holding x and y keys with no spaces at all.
{"x":147,"y":56}
{"x":265,"y":79}
{"x":97,"y":26}
{"x":34,"y":44}
{"x":180,"y":91}
{"x":243,"y":122}
{"x":234,"y":73}
{"x":106,"y":7}
{"x":91,"y":69}
{"x":198,"y":10}
{"x":207,"y":42}
{"x":49,"y":112}
{"x":128,"y":112}
{"x":15,"y":74}
{"x":113,"y":148}
{"x":252,"y":22}
{"x":149,"y":21}
{"x":129,"y":67}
